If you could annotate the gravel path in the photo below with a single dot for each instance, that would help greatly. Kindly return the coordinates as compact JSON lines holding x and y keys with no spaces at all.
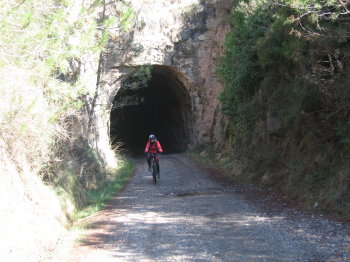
{"x":189,"y":217}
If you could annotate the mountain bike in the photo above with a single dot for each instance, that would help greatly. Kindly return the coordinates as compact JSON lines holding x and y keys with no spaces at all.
{"x":155,"y":173}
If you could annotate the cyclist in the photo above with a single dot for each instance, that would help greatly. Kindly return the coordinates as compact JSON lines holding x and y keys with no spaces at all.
{"x":153,"y":147}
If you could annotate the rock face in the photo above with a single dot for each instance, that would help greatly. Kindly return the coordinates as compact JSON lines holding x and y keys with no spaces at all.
{"x":185,"y":35}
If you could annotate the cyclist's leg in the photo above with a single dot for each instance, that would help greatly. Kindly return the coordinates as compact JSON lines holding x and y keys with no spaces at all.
{"x":157,"y":163}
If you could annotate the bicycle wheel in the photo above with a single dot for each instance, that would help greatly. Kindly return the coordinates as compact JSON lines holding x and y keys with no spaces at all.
{"x":154,"y":170}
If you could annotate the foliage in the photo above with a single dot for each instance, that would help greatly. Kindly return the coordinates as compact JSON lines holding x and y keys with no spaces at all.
{"x":45,"y":46}
{"x":96,"y":199}
{"x":126,"y":18}
{"x":42,"y":43}
{"x":137,"y":79}
{"x":289,"y":59}
{"x":23,"y":110}
{"x":50,"y":42}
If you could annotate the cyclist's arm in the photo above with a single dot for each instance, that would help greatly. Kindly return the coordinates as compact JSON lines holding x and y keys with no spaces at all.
{"x":147,"y":147}
{"x":159,"y":147}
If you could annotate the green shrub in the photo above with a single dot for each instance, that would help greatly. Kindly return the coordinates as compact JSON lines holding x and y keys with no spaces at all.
{"x":44,"y":45}
{"x":97,"y":198}
{"x":289,"y":59}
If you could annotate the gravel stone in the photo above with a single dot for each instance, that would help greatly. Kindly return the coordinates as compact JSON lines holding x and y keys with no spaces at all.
{"x":187,"y":216}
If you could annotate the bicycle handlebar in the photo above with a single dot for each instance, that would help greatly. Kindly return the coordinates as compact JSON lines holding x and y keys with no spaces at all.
{"x":154,"y":154}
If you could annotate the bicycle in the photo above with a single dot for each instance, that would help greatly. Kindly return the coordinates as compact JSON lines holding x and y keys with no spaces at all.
{"x":155,"y":173}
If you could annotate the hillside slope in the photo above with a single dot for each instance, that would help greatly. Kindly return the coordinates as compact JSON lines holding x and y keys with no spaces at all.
{"x":286,"y":93}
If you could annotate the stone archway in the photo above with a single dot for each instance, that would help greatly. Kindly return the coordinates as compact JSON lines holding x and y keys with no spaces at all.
{"x":162,"y":107}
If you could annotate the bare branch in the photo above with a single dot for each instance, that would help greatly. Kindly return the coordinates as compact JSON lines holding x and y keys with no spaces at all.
{"x":345,"y":6}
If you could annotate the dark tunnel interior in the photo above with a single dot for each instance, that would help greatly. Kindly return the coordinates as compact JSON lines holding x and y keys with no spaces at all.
{"x":161,"y":107}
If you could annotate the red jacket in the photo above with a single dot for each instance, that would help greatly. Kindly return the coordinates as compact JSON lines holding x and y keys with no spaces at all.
{"x":153,"y":148}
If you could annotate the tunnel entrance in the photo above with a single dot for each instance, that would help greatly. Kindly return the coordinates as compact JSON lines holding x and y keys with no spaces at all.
{"x":159,"y":106}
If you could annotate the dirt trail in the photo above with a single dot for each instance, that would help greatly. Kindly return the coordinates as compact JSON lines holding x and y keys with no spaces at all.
{"x":189,"y":217}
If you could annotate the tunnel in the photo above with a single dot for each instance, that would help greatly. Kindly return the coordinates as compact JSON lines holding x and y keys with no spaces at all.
{"x":161,"y":106}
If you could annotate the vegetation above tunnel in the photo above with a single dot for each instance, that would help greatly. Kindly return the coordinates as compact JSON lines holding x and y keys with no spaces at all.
{"x":286,"y":92}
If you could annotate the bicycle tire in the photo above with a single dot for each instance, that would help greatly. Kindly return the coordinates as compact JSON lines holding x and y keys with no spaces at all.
{"x":154,"y":170}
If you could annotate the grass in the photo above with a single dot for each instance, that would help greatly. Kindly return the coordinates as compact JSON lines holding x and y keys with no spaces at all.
{"x":314,"y":191}
{"x":97,"y":199}
{"x":208,"y":155}
{"x":204,"y":154}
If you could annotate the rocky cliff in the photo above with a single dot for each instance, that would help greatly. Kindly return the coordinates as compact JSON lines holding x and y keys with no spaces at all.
{"x":184,"y":40}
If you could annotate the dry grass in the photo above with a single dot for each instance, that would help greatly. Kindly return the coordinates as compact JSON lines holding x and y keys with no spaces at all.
{"x":25,"y":125}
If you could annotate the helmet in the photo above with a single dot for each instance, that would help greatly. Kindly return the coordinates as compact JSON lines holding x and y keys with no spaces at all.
{"x":152,"y":137}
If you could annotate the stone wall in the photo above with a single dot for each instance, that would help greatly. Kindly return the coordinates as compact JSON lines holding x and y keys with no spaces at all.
{"x":187,"y":35}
